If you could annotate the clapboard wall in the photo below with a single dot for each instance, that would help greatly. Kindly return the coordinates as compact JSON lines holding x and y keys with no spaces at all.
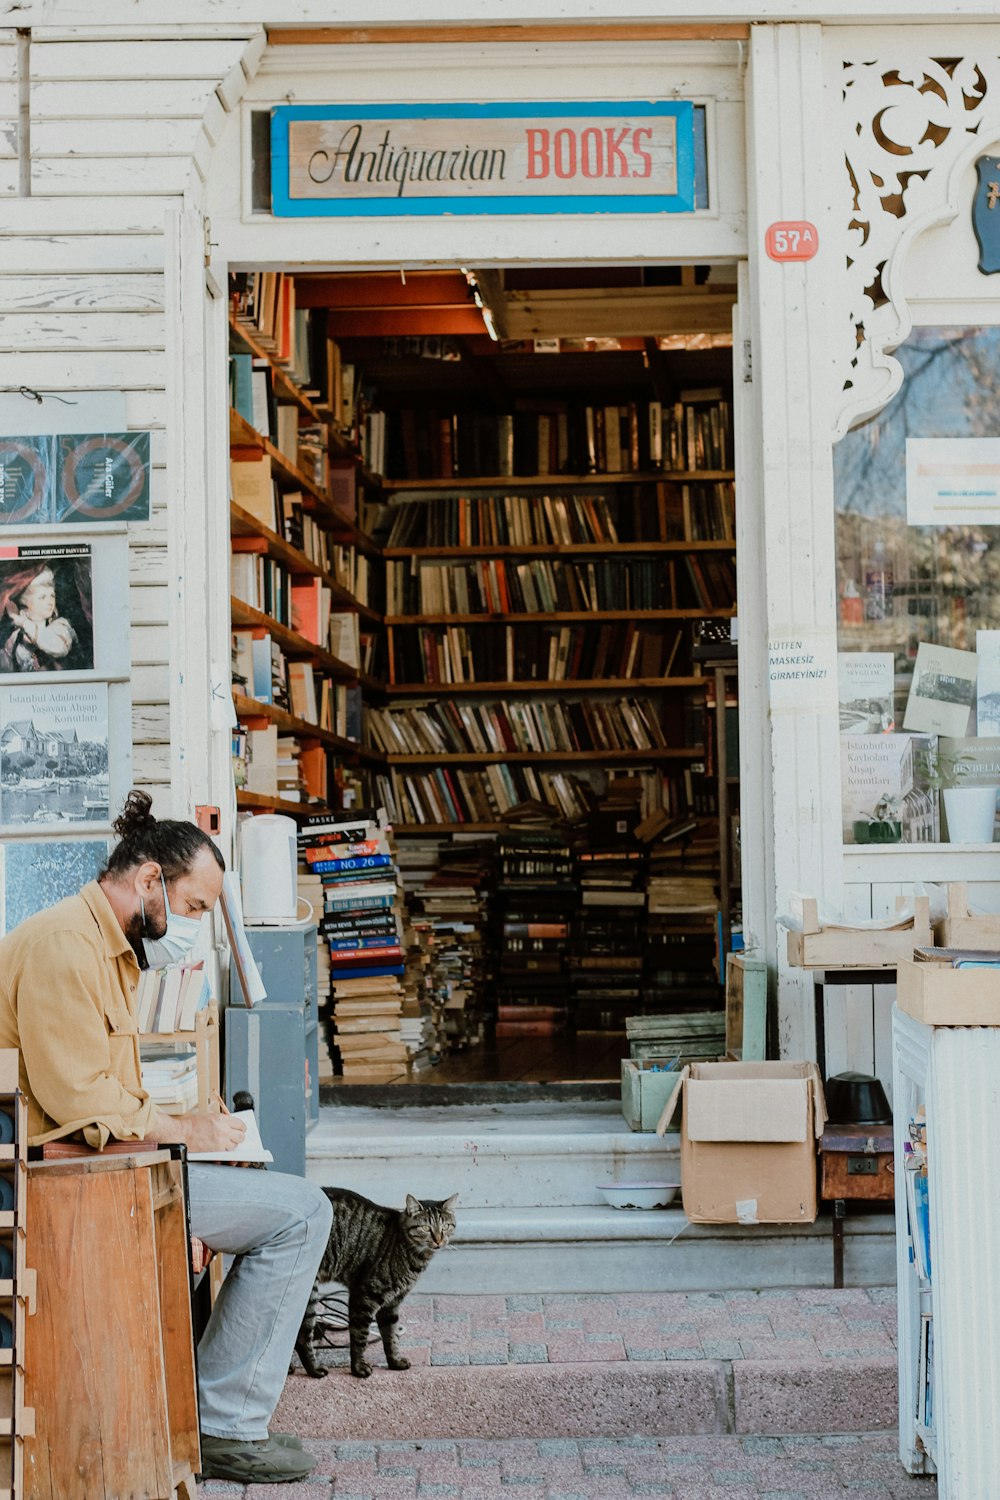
{"x":121,"y":127}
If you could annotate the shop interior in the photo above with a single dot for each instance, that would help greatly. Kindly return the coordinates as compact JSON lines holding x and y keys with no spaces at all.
{"x":483,"y":574}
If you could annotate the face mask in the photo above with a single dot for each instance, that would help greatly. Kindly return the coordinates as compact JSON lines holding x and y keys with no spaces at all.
{"x":178,"y":940}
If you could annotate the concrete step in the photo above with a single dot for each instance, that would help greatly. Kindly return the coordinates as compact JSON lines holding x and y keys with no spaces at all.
{"x":726,"y":1467}
{"x":582,"y":1248}
{"x":530,"y":1218}
{"x":493,"y":1156}
{"x":616,"y":1366}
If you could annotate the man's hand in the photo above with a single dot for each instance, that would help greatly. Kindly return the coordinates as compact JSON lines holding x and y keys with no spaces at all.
{"x":202,"y":1132}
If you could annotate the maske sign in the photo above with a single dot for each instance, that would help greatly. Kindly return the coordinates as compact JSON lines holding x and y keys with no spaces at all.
{"x":529,"y":158}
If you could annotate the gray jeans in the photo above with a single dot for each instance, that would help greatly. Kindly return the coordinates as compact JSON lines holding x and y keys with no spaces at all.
{"x":277,"y":1227}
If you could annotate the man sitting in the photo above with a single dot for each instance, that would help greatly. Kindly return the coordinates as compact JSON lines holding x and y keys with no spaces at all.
{"x":68,"y":980}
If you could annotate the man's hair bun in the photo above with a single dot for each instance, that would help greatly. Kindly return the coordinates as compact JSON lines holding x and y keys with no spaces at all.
{"x":136,"y":816}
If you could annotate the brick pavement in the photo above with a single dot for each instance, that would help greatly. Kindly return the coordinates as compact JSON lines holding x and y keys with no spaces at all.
{"x":839,"y":1339}
{"x":797,"y":1324}
{"x":719,"y":1468}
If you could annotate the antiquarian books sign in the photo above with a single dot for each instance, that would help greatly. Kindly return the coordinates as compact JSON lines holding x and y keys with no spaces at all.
{"x":535,"y":158}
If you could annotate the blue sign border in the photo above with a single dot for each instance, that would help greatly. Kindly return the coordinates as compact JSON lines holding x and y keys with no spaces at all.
{"x":683,"y":201}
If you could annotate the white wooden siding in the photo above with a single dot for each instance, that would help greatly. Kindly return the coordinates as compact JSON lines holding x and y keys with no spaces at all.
{"x":116,"y":118}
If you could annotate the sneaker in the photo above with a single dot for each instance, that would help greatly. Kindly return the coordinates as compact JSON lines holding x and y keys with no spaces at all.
{"x":287,"y":1440}
{"x":265,"y":1461}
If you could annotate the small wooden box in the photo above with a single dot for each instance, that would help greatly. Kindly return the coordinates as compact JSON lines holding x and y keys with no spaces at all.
{"x":645,"y":1093}
{"x":959,"y":929}
{"x":856,"y":1162}
{"x":938,"y":995}
{"x":817,"y":947}
{"x":746,"y":1008}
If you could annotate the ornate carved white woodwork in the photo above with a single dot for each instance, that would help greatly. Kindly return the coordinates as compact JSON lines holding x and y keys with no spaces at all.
{"x":911,"y":129}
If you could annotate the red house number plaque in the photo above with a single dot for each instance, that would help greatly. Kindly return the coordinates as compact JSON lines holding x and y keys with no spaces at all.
{"x":792,"y":239}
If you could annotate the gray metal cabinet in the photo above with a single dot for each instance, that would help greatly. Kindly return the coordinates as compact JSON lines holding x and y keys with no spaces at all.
{"x":273,"y":1048}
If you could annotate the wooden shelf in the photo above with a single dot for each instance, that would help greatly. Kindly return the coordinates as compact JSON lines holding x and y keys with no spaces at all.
{"x":251,"y":708}
{"x":243,"y":524}
{"x":409,"y":829}
{"x":562,"y":685}
{"x":585,"y":616}
{"x":296,"y":647}
{"x":285,"y":473}
{"x":460,"y":483}
{"x":562,"y":549}
{"x":553,"y":757}
{"x":258,"y":802}
{"x":285,"y":388}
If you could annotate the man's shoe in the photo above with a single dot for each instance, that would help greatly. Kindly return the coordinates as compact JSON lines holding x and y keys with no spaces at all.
{"x":288,"y":1440}
{"x":262,"y":1462}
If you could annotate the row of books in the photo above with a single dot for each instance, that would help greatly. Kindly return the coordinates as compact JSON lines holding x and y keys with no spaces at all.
{"x":667,"y":511}
{"x":536,"y":586}
{"x":455,"y":795}
{"x":539,"y":725}
{"x":261,"y":583}
{"x":169,"y":999}
{"x":562,"y":437}
{"x":261,"y":672}
{"x":534,"y":653}
{"x":270,"y":764}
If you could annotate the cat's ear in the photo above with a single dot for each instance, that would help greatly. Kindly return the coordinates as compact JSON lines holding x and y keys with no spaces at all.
{"x":413,"y":1205}
{"x":449,"y":1203}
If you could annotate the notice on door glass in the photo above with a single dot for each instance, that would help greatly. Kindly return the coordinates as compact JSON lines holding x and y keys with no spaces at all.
{"x":953,"y":481}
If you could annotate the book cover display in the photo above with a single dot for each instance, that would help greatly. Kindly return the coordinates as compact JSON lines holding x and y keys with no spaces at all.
{"x":887,"y":786}
{"x":866,"y":691}
{"x":54,"y":766}
{"x":60,"y":479}
{"x":46,"y":608}
{"x":943,"y":690}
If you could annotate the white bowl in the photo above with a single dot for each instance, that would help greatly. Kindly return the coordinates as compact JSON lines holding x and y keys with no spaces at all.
{"x":638,"y":1194}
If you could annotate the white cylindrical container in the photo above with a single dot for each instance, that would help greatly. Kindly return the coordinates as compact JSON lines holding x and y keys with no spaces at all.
{"x":970,"y":812}
{"x":268,"y":868}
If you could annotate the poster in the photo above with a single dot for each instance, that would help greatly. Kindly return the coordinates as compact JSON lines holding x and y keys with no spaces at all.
{"x":36,"y":873}
{"x":953,"y":481}
{"x":54,"y":754}
{"x":88,"y":478}
{"x":46,"y":609}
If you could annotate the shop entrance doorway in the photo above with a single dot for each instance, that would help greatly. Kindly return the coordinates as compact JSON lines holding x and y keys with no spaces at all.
{"x":529,"y":560}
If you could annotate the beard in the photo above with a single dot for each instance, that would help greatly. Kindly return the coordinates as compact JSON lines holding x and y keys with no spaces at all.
{"x":154,"y":926}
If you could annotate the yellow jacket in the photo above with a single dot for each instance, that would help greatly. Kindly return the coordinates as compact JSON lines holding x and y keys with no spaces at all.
{"x":68,"y":980}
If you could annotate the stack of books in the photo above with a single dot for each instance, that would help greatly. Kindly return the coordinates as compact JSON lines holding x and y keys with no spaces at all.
{"x":361,"y":923}
{"x":170,"y":1078}
{"x":447,"y":887}
{"x":309,"y":887}
{"x":681,"y":967}
{"x":606,"y":953}
{"x":535,"y":888}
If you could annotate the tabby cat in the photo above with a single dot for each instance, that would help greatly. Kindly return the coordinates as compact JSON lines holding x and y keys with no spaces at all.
{"x":377,"y":1254}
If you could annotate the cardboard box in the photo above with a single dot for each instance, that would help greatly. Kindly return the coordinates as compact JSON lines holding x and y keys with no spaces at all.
{"x":645,"y":1094}
{"x":939,"y":995}
{"x":749,"y":1140}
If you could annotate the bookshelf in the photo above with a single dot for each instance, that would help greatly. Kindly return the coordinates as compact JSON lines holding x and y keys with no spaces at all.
{"x":307,"y":577}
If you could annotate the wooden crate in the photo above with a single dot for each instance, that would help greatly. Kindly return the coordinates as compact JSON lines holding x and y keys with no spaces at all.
{"x":960,"y":929}
{"x":817,"y":947}
{"x":746,"y":1008}
{"x":645,"y":1092}
{"x":938,"y":995}
{"x":110,"y":1361}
